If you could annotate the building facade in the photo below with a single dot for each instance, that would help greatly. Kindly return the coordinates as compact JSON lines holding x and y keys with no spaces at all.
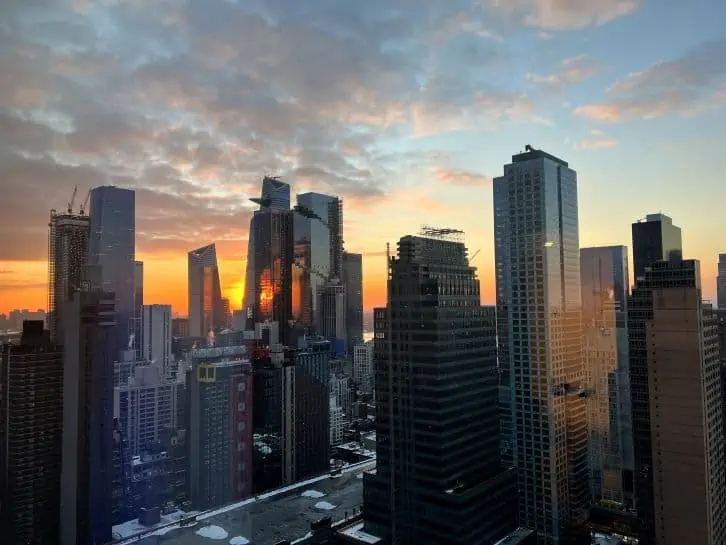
{"x":31,"y":428}
{"x":312,"y":397}
{"x":205,"y":291}
{"x":540,"y":350}
{"x":655,"y":238}
{"x":138,"y":307}
{"x":363,"y":367}
{"x":155,"y":339}
{"x":87,"y":469}
{"x":438,"y":477}
{"x":721,"y":282}
{"x":112,"y":250}
{"x":67,"y":256}
{"x":220,"y":446}
{"x":604,"y":274}
{"x":331,"y":312}
{"x":677,"y":412}
{"x":353,"y":282}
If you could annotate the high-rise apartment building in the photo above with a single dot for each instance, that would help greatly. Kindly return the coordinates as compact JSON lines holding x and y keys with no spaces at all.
{"x":540,"y":344}
{"x":67,"y":256}
{"x":220,"y":456}
{"x":312,"y":397}
{"x":155,"y":339}
{"x":363,"y":367}
{"x":318,"y":224}
{"x":438,"y":478}
{"x":331,"y":311}
{"x":677,"y":413}
{"x":138,"y":307}
{"x":353,"y":282}
{"x":88,"y":465}
{"x":721,"y":282}
{"x":31,"y":427}
{"x":180,"y":327}
{"x":655,"y":238}
{"x":112,"y":249}
{"x":604,"y":274}
{"x":205,"y":291}
{"x":269,"y":291}
{"x":146,"y":406}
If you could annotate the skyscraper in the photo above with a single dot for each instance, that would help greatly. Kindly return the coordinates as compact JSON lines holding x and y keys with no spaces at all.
{"x":677,"y":413}
{"x":604,"y":274}
{"x":353,"y":282}
{"x":31,"y":427}
{"x":112,"y":248}
{"x":540,"y":344}
{"x":155,"y":341}
{"x":87,"y":465}
{"x":67,"y":256}
{"x":363,"y":367}
{"x":270,"y":258}
{"x":331,"y":312}
{"x":654,"y":238}
{"x":318,"y":227}
{"x":205,"y":292}
{"x":721,"y":282}
{"x":438,"y":478}
{"x":138,"y":306}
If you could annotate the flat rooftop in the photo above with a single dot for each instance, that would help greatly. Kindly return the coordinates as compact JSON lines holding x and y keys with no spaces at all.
{"x":266,"y":519}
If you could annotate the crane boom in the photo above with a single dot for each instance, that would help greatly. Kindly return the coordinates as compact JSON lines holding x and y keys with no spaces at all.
{"x":84,"y":205}
{"x":73,"y":199}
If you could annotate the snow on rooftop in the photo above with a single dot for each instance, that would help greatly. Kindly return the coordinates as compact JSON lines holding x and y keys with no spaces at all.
{"x":133,"y":527}
{"x":356,"y":532}
{"x":212,"y":532}
{"x":239,"y":540}
{"x":312,"y":494}
{"x":324,"y":506}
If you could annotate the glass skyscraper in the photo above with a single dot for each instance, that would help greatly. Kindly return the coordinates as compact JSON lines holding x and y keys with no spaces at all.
{"x":604,"y":274}
{"x":112,"y":248}
{"x":205,"y":292}
{"x":654,"y":238}
{"x":540,"y":346}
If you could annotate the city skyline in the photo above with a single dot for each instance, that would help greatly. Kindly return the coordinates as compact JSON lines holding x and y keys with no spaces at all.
{"x":405,"y":114}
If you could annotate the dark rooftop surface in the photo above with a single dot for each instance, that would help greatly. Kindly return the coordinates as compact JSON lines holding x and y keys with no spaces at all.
{"x":272,"y":517}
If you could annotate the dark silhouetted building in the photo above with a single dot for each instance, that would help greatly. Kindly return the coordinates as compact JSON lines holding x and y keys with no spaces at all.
{"x":205,"y":292}
{"x":88,"y":425}
{"x":138,"y":307}
{"x":31,"y":425}
{"x":654,"y":239}
{"x":721,"y":282}
{"x":353,"y":281}
{"x":312,"y":398}
{"x":677,"y":413}
{"x":438,"y":478}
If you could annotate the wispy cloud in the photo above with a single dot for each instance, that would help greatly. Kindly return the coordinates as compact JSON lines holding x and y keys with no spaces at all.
{"x":570,"y":71}
{"x":566,"y":14}
{"x":597,"y":139}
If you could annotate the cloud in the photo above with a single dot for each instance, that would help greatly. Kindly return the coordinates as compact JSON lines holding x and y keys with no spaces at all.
{"x":566,"y":14}
{"x":464,"y":178}
{"x":596,"y":140}
{"x":685,"y":86}
{"x":569,"y":72}
{"x":6,"y":271}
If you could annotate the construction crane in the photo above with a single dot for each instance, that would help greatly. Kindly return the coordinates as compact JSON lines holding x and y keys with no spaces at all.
{"x":442,"y":233}
{"x":473,"y":257}
{"x":73,"y":199}
{"x":85,"y":202}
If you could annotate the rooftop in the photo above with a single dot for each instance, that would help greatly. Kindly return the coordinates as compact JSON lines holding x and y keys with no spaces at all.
{"x":285,"y":513}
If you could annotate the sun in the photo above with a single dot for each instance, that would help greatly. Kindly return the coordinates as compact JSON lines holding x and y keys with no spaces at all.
{"x":235,"y":294}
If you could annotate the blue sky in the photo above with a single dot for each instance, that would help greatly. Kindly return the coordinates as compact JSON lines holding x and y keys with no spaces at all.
{"x":406,"y":108}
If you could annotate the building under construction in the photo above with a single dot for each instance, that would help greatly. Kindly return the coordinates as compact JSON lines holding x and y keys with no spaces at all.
{"x":67,"y":256}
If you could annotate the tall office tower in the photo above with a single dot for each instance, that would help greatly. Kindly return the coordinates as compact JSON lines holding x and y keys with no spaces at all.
{"x":31,"y":426}
{"x":353,"y":282}
{"x":270,"y":258}
{"x":220,"y":461}
{"x":67,"y":256}
{"x":312,"y":397}
{"x":274,"y":405}
{"x":155,"y":340}
{"x":655,"y":238}
{"x":677,"y":418}
{"x":363,"y":367}
{"x":205,"y":292}
{"x":721,"y":282}
{"x":540,"y":349}
{"x":145,"y":406}
{"x":337,"y":421}
{"x":226,"y":321}
{"x":112,"y":248}
{"x":87,"y":467}
{"x":138,"y":307}
{"x":331,"y":312}
{"x":604,"y":274}
{"x":180,"y":327}
{"x":439,"y":478}
{"x":318,"y":250}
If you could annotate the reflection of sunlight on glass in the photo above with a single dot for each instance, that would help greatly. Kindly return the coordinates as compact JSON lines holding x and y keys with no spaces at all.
{"x":235,"y":293}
